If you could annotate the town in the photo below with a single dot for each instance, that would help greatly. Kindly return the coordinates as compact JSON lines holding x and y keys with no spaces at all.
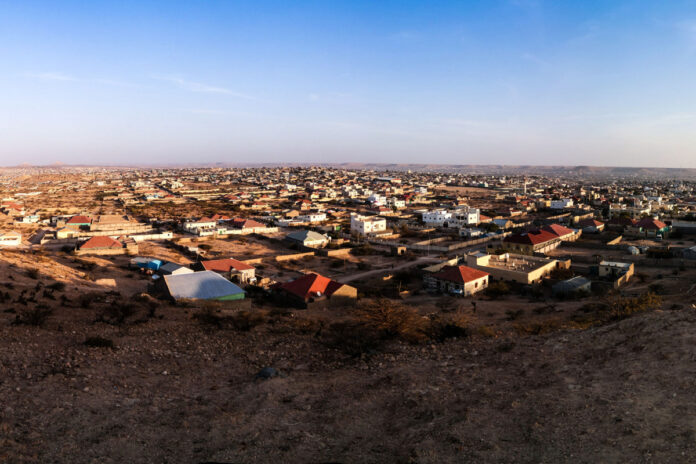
{"x":315,"y":237}
{"x":288,"y":271}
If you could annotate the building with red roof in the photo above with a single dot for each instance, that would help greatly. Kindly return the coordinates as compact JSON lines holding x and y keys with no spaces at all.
{"x":78,"y":222}
{"x":619,"y":223}
{"x":536,"y":241}
{"x":562,"y":232}
{"x":219,"y":217}
{"x":591,"y":225}
{"x":648,"y":227}
{"x":243,"y":223}
{"x":9,"y":207}
{"x":313,"y":287}
{"x":458,"y":280}
{"x":231,"y":268}
{"x":249,"y":226}
{"x":540,"y":241}
{"x":101,"y":243}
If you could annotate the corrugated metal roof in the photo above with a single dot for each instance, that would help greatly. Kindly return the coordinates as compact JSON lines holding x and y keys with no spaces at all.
{"x":304,"y":235}
{"x":204,"y":285}
{"x":174,"y":267}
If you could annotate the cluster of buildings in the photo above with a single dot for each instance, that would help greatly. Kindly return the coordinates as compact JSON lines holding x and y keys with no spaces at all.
{"x":501,"y":227}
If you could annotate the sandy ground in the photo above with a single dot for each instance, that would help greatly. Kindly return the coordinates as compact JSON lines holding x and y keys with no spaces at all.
{"x":173,"y":391}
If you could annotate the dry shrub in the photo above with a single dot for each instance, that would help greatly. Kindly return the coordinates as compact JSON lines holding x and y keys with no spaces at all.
{"x":117,"y":313}
{"x":149,"y":302}
{"x":33,"y":273}
{"x":443,"y":327}
{"x":497,"y":290}
{"x":56,"y":286}
{"x":99,"y":342}
{"x":247,"y":320}
{"x":539,"y":328}
{"x":616,"y":309}
{"x":376,"y":321}
{"x":211,"y":315}
{"x":85,"y":300}
{"x":485,"y":331}
{"x":393,"y":320}
{"x":34,"y":316}
{"x":305,"y":325}
{"x":352,"y":337}
{"x":623,"y":307}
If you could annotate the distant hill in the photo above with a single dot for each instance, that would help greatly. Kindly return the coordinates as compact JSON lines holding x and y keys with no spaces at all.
{"x":481,"y":169}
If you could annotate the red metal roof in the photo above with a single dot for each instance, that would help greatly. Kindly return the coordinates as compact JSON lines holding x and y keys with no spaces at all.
{"x":225,"y":265}
{"x":531,"y":238}
{"x":101,"y":242}
{"x":590,"y":223}
{"x":558,"y":230}
{"x":241,"y":223}
{"x":622,"y":221}
{"x":459,"y":274}
{"x":79,"y":220}
{"x":310,"y":284}
{"x":650,"y":223}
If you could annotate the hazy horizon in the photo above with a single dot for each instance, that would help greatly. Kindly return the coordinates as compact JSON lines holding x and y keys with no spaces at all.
{"x":513,"y":82}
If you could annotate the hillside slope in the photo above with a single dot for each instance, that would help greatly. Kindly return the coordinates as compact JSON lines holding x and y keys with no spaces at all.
{"x":174,"y":391}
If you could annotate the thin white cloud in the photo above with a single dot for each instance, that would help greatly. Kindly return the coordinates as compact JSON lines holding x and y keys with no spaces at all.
{"x":202,"y":88}
{"x":113,"y":82}
{"x":52,"y":76}
{"x":62,"y":77}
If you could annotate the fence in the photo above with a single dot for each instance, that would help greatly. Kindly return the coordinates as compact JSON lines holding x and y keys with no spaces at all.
{"x":293,"y":256}
{"x":426,"y":245}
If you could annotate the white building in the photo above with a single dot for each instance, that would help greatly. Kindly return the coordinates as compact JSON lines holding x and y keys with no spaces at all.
{"x":562,"y":203}
{"x":311,"y":217}
{"x":377,"y":200}
{"x":437,"y":217}
{"x":10,"y":239}
{"x":195,"y":227}
{"x":615,"y":209}
{"x":470,"y":233}
{"x":365,"y":225}
{"x":460,"y":217}
{"x":467,"y":216}
{"x":397,"y":202}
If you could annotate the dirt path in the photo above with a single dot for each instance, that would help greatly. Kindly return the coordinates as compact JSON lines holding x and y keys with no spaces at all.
{"x":362,"y":275}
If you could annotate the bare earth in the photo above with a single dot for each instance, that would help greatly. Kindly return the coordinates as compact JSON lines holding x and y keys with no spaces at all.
{"x":176,"y":391}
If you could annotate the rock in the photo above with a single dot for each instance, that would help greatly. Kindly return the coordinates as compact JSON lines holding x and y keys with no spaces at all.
{"x":267,"y":373}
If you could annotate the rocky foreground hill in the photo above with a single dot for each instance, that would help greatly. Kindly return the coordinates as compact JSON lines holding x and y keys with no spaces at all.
{"x":175,"y":390}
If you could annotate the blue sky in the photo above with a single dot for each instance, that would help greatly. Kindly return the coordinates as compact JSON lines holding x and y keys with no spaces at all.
{"x":481,"y":82}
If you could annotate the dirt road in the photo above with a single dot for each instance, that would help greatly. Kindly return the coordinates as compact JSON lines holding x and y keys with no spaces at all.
{"x":384,"y":270}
